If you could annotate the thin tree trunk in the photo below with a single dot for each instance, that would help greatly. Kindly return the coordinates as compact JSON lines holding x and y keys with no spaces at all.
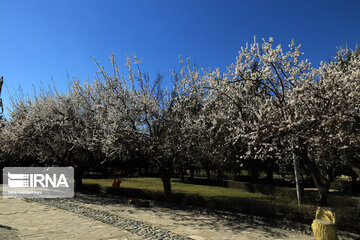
{"x":192,"y":170}
{"x":165,"y":178}
{"x":208,"y":173}
{"x":182,"y":174}
{"x":331,"y":175}
{"x":78,"y":174}
{"x":357,"y":170}
{"x":302,"y":183}
{"x":254,"y":175}
{"x":353,"y":176}
{"x":219,"y":174}
{"x":269,"y":175}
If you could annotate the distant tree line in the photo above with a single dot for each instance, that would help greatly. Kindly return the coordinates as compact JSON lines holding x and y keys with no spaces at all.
{"x":269,"y":108}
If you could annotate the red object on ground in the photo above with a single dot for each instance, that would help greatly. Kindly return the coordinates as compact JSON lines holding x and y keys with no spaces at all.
{"x":348,"y":180}
{"x":116,"y":183}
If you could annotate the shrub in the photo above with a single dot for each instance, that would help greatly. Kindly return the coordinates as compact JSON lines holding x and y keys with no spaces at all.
{"x":347,"y":218}
{"x":337,"y":184}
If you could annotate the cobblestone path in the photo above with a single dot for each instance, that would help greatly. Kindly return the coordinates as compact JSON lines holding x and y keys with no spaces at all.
{"x":20,"y":219}
{"x":103,"y":217}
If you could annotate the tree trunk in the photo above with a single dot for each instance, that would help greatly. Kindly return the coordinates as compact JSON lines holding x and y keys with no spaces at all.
{"x":78,"y":174}
{"x":331,"y":175}
{"x":182,"y":174}
{"x":269,"y":175}
{"x":353,"y":176}
{"x":302,"y":183}
{"x":192,"y":170}
{"x":254,"y":175}
{"x":357,"y":170}
{"x":219,"y":174}
{"x":208,"y":174}
{"x":165,"y":178}
{"x":319,"y":181}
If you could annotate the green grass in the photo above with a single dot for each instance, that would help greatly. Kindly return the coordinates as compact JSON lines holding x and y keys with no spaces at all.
{"x":155,"y":184}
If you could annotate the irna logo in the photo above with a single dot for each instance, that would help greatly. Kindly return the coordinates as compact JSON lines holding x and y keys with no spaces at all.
{"x":37,"y":180}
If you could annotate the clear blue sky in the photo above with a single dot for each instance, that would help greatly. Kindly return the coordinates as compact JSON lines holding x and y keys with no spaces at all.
{"x":48,"y":39}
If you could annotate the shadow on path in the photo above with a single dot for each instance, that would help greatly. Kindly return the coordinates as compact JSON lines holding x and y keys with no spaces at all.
{"x":195,"y":217}
{"x":8,"y":233}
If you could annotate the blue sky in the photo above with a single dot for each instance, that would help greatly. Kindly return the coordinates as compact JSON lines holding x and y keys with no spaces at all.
{"x":44,"y":40}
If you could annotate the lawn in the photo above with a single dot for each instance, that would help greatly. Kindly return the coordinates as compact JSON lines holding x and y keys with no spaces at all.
{"x":155,"y":184}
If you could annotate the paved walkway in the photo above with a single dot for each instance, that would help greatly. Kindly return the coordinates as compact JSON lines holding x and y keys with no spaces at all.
{"x":22,"y":219}
{"x":195,"y":224}
{"x":26,"y":220}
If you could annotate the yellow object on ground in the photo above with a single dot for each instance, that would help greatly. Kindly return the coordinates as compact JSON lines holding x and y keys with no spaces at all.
{"x":324,"y":224}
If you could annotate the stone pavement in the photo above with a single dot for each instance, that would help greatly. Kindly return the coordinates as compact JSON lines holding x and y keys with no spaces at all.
{"x":23,"y":219}
{"x":191,"y":223}
{"x":26,"y":220}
